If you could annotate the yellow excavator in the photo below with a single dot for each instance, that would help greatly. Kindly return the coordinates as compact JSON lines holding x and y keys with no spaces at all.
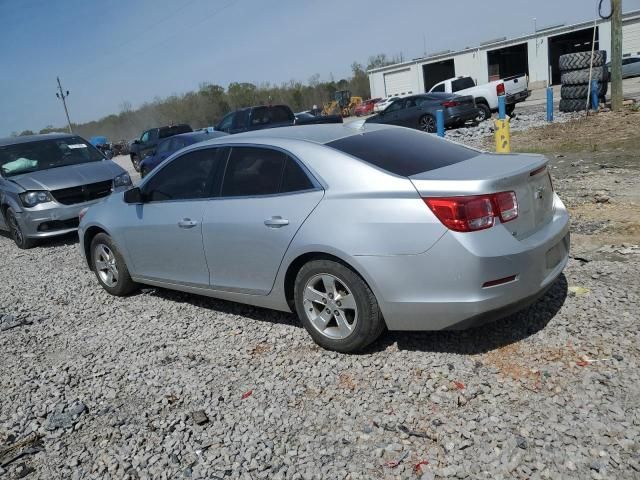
{"x":343,"y":104}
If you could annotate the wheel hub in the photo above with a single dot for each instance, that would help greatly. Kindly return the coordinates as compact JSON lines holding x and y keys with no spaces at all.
{"x":330,"y":306}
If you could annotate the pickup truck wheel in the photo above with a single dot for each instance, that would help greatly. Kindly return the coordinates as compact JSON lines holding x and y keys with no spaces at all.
{"x":510,"y":108}
{"x":484,"y":112}
{"x":427,"y":124}
{"x":110,"y":267}
{"x":135,"y":162}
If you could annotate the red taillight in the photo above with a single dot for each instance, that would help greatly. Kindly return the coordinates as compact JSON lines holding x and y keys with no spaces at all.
{"x":449,"y":103}
{"x":469,"y":214}
{"x":500,"y":89}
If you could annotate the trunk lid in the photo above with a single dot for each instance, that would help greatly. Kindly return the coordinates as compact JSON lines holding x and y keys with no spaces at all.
{"x":515,"y":84}
{"x":525,"y":174}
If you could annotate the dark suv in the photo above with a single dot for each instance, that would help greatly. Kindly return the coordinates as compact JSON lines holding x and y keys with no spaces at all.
{"x":148,"y":141}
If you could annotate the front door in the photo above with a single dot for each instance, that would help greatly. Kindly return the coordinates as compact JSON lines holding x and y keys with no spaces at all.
{"x":266,"y":195}
{"x":164,"y":234}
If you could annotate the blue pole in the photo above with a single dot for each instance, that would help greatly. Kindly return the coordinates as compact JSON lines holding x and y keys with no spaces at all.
{"x":440,"y":122}
{"x":502,"y":107}
{"x":594,"y":95}
{"x":549,"y":104}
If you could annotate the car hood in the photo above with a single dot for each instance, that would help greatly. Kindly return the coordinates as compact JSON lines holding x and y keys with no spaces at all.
{"x":68,"y":176}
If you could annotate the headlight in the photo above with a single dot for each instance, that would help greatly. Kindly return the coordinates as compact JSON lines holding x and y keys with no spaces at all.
{"x":31,"y":199}
{"x":123,"y":180}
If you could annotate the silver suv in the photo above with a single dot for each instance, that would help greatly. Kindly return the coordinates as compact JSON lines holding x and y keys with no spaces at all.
{"x":45,"y":180}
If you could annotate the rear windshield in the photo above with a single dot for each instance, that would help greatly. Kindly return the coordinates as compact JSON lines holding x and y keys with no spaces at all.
{"x":45,"y":154}
{"x":166,"y":132}
{"x":403,"y":151}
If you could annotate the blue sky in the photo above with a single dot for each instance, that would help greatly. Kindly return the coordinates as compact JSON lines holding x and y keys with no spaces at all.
{"x":113,"y":51}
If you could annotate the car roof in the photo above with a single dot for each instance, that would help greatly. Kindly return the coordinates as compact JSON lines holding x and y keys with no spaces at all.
{"x":33,"y":138}
{"x":320,"y":134}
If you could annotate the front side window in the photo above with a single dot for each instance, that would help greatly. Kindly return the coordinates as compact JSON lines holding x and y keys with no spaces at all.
{"x":225,"y":124}
{"x":394,"y":107}
{"x":189,"y":176}
{"x":46,"y":154}
{"x":255,"y":171}
{"x":144,"y":138}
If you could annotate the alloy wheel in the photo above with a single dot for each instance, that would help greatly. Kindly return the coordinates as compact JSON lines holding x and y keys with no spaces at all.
{"x":16,"y":232}
{"x":330,"y":306}
{"x":427,"y":124}
{"x":105,"y":264}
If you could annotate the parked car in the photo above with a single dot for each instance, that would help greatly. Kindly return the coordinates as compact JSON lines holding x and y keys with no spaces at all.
{"x":120,"y":148}
{"x":630,"y":66}
{"x":149,"y":139}
{"x":103,"y":144}
{"x":419,"y":111}
{"x":169,"y":146}
{"x":486,"y":96}
{"x":309,"y":118}
{"x":45,"y":180}
{"x":354,"y":227}
{"x":268,"y":116}
{"x":366,"y":107}
{"x":384,"y":103}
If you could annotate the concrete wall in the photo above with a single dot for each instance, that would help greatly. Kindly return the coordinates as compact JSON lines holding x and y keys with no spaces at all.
{"x":473,"y":64}
{"x":538,"y":53}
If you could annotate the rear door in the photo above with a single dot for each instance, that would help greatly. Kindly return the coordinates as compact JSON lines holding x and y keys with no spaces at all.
{"x":265,"y":197}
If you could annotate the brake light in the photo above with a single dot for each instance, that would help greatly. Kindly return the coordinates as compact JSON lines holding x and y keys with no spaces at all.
{"x":472,"y":213}
{"x":449,"y":103}
{"x":500,"y":89}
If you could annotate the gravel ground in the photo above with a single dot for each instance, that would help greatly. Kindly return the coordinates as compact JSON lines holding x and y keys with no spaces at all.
{"x":170,"y":385}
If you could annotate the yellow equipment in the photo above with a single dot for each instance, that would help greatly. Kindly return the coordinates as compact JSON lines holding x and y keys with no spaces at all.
{"x":343,"y":104}
{"x":503,"y":136}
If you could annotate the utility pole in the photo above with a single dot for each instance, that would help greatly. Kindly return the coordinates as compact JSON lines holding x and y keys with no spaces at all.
{"x":616,"y":55}
{"x":62,"y":96}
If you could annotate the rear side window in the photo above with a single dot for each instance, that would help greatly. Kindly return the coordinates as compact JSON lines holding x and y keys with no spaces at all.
{"x":403,"y":151}
{"x":462,"y":83}
{"x":280,"y":114}
{"x":255,"y":171}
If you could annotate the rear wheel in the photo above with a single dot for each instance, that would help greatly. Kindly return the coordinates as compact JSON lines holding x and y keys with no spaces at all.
{"x":510,"y":108}
{"x":109,"y":266}
{"x":336,"y":306}
{"x":427,"y":124}
{"x":16,"y":232}
{"x":484,"y":112}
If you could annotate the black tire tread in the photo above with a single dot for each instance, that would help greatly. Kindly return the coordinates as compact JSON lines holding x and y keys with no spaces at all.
{"x":580,"y":60}
{"x":572,"y":105}
{"x":581,"y":77}
{"x":26,"y":243}
{"x":581,"y":91}
{"x":368,"y":329}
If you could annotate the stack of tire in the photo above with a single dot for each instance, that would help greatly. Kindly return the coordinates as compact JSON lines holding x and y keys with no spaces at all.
{"x":574,"y":68}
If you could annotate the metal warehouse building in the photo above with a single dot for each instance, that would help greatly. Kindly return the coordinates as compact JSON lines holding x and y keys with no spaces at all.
{"x":535,"y":54}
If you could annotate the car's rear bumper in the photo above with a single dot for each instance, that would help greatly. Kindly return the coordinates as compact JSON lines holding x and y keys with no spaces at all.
{"x":443,"y":287}
{"x":461,"y":114}
{"x":518,"y":97}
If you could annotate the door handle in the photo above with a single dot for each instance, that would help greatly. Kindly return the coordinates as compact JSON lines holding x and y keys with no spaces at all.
{"x":187,"y":223}
{"x":276,"y":222}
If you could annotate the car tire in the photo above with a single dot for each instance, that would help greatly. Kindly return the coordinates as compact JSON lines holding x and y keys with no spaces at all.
{"x":320,"y":286}
{"x":427,"y":123}
{"x":135,"y":162}
{"x":580,"y":60}
{"x":581,"y":77}
{"x":484,"y":112}
{"x":509,"y":109}
{"x":581,"y":91}
{"x":109,"y":266}
{"x":16,"y":232}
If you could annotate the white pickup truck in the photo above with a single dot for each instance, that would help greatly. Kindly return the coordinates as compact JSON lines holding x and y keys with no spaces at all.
{"x":515,"y":88}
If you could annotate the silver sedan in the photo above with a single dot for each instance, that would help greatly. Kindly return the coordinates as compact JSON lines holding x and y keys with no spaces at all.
{"x":356,"y":228}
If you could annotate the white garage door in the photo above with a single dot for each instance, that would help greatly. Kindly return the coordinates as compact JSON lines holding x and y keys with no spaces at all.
{"x":398,"y":83}
{"x":631,"y":39}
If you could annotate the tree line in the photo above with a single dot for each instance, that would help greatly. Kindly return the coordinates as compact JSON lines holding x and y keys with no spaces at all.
{"x":206,"y":106}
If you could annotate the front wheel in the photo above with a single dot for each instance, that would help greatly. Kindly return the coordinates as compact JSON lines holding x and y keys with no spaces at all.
{"x":16,"y":232}
{"x":336,"y":306}
{"x":509,"y":109}
{"x":135,"y":162}
{"x":109,"y":266}
{"x":427,"y":124}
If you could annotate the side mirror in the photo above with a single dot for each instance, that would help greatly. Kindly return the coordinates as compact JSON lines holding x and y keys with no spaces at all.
{"x":133,"y":195}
